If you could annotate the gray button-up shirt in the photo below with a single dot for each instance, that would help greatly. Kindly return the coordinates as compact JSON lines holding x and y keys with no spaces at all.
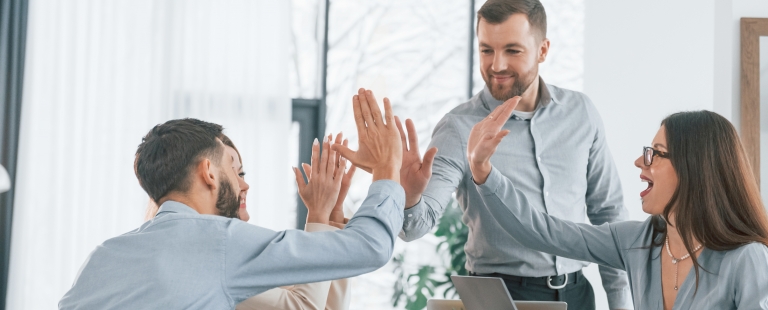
{"x":735,"y":279}
{"x":185,"y":260}
{"x":559,"y":159}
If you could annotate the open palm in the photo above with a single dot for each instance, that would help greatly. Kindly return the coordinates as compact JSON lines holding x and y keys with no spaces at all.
{"x":485,"y":138}
{"x":415,"y":172}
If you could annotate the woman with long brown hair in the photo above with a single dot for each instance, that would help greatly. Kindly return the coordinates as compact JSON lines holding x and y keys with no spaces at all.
{"x":705,"y":245}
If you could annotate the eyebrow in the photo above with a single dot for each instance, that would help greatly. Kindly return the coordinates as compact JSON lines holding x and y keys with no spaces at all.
{"x":510,"y":45}
{"x":660,"y":145}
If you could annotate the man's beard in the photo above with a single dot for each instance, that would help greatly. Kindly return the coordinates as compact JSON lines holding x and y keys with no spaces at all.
{"x":227,"y":203}
{"x":519,"y":86}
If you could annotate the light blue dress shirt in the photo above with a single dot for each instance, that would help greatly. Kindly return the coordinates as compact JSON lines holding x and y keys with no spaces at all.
{"x":559,"y":159}
{"x":185,"y":260}
{"x":735,"y":279}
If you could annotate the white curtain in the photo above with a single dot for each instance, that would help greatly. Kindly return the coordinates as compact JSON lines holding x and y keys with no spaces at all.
{"x":99,"y":74}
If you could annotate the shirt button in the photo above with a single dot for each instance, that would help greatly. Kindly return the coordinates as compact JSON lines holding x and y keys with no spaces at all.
{"x":410,"y":215}
{"x":538,"y":158}
{"x":546,"y":194}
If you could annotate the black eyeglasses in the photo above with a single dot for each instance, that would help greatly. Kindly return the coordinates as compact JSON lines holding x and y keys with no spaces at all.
{"x":649,"y":153}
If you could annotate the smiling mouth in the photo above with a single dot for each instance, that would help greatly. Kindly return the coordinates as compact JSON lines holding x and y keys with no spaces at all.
{"x":242,"y":202}
{"x":647,"y":190}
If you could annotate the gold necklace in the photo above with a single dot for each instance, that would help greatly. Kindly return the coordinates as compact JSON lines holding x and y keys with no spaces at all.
{"x":677,"y":260}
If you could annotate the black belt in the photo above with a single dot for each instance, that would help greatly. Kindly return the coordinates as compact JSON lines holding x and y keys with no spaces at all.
{"x":553,"y":282}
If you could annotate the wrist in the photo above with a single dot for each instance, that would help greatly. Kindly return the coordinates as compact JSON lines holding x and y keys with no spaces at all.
{"x":387,"y":172}
{"x":481,"y":171}
{"x":317,"y":217}
{"x":411,"y":202}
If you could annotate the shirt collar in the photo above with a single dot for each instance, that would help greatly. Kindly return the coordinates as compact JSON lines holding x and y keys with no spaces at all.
{"x":175,"y":207}
{"x":491,"y":103}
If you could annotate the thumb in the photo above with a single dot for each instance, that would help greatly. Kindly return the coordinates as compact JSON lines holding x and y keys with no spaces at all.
{"x":299,"y":179}
{"x":429,"y":158}
{"x":345,"y":152}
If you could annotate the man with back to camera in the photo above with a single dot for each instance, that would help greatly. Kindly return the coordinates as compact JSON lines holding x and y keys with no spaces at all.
{"x":556,"y":152}
{"x":194,"y":255}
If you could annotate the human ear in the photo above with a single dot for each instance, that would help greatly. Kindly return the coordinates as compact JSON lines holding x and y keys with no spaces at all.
{"x":206,"y":170}
{"x":543,"y":50}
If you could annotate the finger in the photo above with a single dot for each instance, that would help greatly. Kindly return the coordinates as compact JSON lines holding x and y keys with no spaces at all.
{"x":358,"y":112}
{"x":402,"y":133}
{"x":413,"y":138}
{"x":315,"y":156}
{"x":390,"y":116}
{"x":324,"y":157}
{"x":351,"y":173}
{"x":307,"y":170}
{"x":365,"y":107}
{"x":508,"y":107}
{"x":499,"y":136}
{"x":331,"y":164}
{"x":429,"y":158}
{"x":374,"y":106}
{"x":345,"y":152}
{"x":338,"y":174}
{"x":300,"y":183}
{"x":338,"y":156}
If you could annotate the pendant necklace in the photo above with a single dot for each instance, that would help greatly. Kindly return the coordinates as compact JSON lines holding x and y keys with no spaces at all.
{"x":677,"y":260}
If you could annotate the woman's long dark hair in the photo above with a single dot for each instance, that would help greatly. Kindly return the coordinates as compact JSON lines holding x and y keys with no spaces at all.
{"x":717,"y":200}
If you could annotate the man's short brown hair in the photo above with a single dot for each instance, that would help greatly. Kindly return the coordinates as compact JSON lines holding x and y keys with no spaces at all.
{"x":497,"y":11}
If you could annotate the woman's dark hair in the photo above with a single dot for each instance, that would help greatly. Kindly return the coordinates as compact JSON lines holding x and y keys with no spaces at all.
{"x":717,"y":201}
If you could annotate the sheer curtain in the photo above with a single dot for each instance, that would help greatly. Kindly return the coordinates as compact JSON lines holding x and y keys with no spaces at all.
{"x":99,"y":75}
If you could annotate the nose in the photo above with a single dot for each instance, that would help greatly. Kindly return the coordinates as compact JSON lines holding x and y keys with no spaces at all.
{"x":243,"y":185}
{"x":499,"y":63}
{"x":640,"y":162}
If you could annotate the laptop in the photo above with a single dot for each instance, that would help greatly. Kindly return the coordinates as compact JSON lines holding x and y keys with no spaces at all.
{"x":487,"y":293}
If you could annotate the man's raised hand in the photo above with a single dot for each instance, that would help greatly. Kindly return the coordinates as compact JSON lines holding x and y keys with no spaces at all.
{"x":485,"y":137}
{"x":415,"y":172}
{"x":380,"y":149}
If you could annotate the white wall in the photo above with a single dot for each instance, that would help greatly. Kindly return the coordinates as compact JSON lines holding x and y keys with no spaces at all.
{"x":643,"y":61}
{"x":726,"y":89}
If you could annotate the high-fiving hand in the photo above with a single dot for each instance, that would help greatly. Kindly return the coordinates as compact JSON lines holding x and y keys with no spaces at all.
{"x":415,"y":172}
{"x":336,"y":217}
{"x":380,"y":150}
{"x":485,"y":137}
{"x":321,"y":193}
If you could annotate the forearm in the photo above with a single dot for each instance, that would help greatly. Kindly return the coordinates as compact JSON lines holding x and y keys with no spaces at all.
{"x":256,"y":263}
{"x":616,"y":285}
{"x":312,"y":296}
{"x":425,"y":215}
{"x":339,"y":295}
{"x":543,"y":232}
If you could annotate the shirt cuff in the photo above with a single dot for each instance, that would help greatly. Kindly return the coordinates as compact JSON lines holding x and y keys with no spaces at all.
{"x":412,"y":213}
{"x":311,"y":227}
{"x":392,"y":188}
{"x":620,"y":299}
{"x":492,"y":183}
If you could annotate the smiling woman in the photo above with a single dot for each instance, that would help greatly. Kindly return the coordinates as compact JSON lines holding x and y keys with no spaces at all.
{"x":706,"y":214}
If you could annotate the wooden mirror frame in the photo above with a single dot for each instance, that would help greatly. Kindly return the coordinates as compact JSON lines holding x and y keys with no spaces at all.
{"x":751,"y":31}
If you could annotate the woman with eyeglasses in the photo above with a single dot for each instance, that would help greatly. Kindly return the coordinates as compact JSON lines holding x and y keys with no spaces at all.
{"x":705,"y":245}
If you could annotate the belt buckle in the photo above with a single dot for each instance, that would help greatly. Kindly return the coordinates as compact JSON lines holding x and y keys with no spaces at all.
{"x":549,"y":283}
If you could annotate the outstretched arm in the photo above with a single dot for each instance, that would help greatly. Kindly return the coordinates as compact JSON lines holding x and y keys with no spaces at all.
{"x":511,"y":209}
